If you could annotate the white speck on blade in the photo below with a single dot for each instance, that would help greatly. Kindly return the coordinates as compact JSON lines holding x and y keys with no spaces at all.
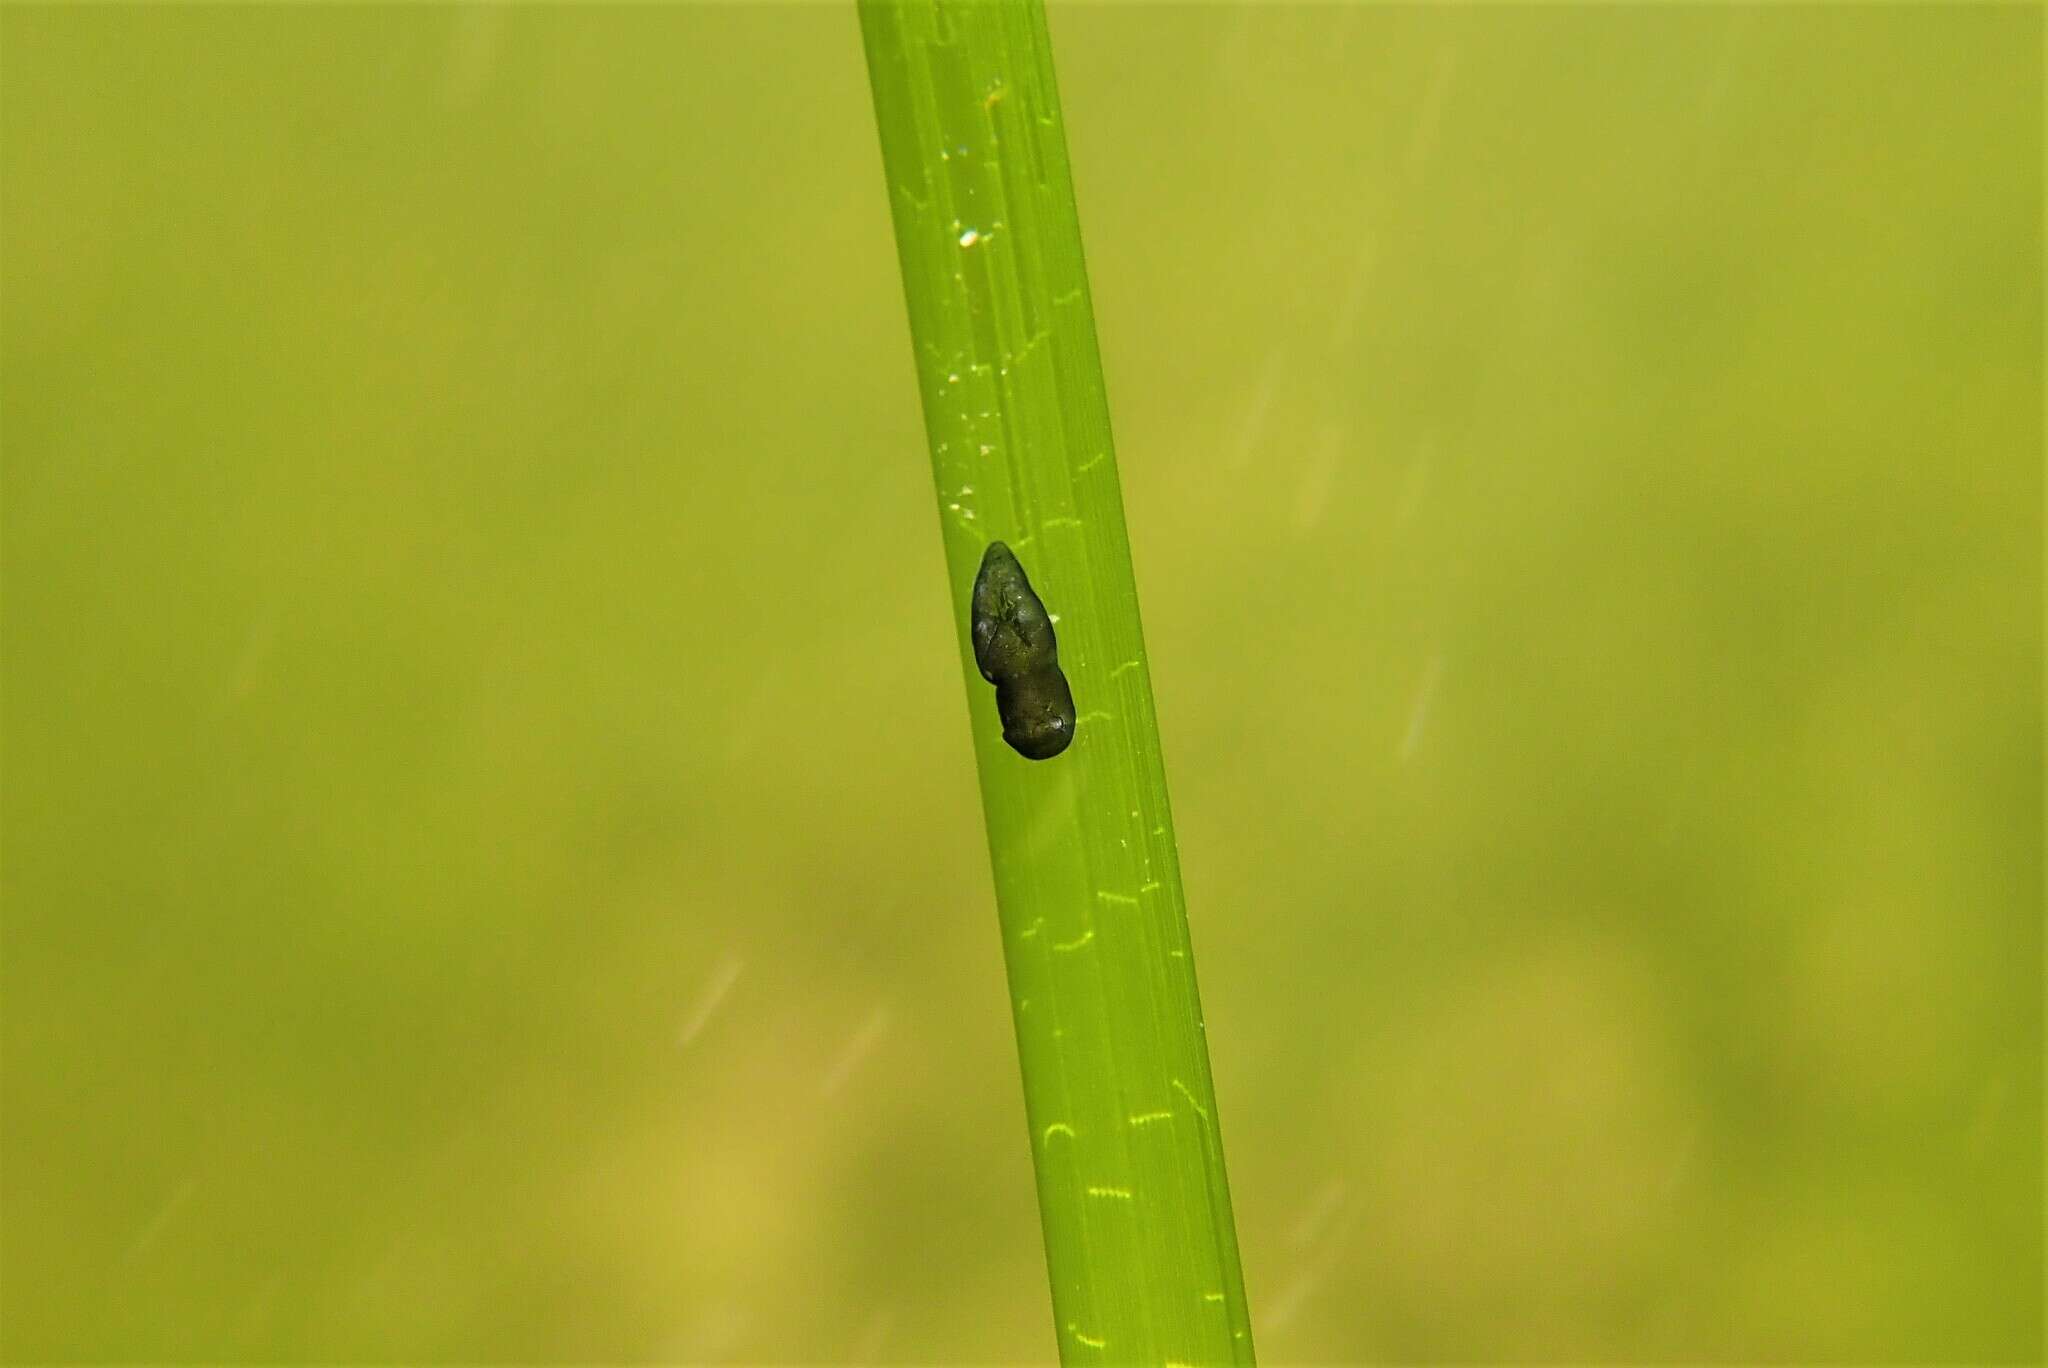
{"x":857,"y":1049}
{"x":154,"y":1226}
{"x":723,"y":975}
{"x":1423,"y":141}
{"x":1312,"y":496}
{"x":1418,"y":711}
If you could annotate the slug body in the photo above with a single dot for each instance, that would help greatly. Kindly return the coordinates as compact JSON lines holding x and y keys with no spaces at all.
{"x":1015,"y":650}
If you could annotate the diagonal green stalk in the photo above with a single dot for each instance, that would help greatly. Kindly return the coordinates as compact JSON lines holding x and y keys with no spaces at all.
{"x":1139,"y":1240}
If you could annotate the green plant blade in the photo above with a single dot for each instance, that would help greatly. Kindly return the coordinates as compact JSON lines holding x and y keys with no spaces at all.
{"x":1139,"y":1239}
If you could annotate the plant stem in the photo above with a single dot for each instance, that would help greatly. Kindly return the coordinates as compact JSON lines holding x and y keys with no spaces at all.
{"x":1139,"y":1240}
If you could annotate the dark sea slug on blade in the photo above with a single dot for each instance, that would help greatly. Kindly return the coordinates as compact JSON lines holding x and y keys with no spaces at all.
{"x":1015,"y":650}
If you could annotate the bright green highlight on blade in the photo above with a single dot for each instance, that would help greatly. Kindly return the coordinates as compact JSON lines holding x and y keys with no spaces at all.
{"x":1138,"y":1233}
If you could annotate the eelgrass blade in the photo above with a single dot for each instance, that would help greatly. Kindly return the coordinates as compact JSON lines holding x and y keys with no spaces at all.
{"x":1139,"y":1238}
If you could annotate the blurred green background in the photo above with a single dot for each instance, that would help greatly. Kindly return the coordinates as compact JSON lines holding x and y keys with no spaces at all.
{"x":492,"y":862}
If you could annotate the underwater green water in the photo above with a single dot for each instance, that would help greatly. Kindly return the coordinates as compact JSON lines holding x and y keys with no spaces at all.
{"x":490,"y":862}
